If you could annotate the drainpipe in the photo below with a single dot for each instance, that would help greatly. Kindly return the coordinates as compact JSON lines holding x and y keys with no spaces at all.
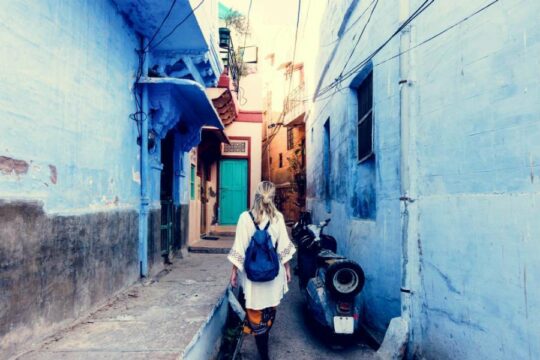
{"x":145,"y":199}
{"x":409,"y":208}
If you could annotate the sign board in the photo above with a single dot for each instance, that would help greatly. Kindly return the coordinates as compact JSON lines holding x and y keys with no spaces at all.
{"x":237,"y":148}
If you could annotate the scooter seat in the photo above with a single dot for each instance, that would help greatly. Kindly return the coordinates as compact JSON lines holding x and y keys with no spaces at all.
{"x":329,"y":255}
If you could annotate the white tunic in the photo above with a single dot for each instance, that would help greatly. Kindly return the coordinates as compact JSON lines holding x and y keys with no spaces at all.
{"x":260,"y":295}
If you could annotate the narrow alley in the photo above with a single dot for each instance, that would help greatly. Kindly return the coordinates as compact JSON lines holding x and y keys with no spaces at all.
{"x":382,"y":156}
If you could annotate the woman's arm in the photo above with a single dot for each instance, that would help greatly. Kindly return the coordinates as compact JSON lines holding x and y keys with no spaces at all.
{"x":234,"y":276}
{"x":288,"y":271}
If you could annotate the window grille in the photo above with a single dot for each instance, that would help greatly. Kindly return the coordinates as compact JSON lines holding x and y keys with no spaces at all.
{"x":365,"y":118}
{"x":290,"y":138}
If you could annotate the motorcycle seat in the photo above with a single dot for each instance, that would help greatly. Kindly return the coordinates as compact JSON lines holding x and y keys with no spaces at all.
{"x":329,"y":255}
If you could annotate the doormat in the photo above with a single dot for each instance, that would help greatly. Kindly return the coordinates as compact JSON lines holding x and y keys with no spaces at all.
{"x":210,"y":237}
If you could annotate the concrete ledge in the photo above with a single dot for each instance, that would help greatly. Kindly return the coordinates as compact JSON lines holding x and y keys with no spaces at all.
{"x":178,"y":314}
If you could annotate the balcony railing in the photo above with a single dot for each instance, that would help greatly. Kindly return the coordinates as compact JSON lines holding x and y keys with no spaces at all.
{"x":294,"y":103}
{"x":228,"y":56}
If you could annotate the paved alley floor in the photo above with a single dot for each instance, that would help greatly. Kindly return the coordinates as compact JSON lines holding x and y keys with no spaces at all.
{"x":292,"y":338}
{"x":222,"y":245}
{"x":155,"y":320}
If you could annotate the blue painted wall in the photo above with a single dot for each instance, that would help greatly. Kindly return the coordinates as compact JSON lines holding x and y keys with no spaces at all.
{"x":65,"y":101}
{"x":364,"y":197}
{"x":475,"y":165}
{"x":478,"y":168}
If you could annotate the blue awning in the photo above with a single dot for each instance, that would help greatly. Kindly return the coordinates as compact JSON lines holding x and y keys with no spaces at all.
{"x":182,"y":104}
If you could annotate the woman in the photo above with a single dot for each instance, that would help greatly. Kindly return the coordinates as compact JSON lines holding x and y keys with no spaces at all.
{"x":262,"y":298}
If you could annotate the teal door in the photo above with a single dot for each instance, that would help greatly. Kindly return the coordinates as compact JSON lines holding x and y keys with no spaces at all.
{"x":233,"y":190}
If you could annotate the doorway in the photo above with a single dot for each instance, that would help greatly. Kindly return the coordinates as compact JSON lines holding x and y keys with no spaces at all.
{"x":166,"y":196}
{"x":233,"y":190}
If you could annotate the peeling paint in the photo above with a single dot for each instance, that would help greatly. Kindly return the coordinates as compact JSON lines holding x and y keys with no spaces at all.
{"x":136,"y":176}
{"x":9,"y":166}
{"x":54,"y":174}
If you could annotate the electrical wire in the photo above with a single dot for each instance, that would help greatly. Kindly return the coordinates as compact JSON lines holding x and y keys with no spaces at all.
{"x":429,"y":39}
{"x":177,"y":26}
{"x":160,"y":25}
{"x":439,"y":33}
{"x":279,"y":123}
{"x":351,"y":72}
{"x":352,"y":25}
{"x":359,"y":38}
{"x":245,"y":37}
{"x":139,"y":115}
{"x":360,"y":65}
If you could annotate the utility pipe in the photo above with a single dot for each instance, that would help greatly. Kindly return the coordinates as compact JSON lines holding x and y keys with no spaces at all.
{"x":409,"y":208}
{"x":145,"y":199}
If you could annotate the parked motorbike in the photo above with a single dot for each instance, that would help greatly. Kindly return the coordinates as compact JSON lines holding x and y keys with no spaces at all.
{"x":330,"y":282}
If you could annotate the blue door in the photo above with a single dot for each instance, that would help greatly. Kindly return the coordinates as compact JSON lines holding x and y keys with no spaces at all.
{"x":233,"y":192}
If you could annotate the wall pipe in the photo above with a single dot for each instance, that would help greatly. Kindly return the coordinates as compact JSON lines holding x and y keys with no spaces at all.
{"x":145,"y":199}
{"x":410,"y":261}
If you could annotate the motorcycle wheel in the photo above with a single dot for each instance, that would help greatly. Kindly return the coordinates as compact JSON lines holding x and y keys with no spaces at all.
{"x":344,"y":279}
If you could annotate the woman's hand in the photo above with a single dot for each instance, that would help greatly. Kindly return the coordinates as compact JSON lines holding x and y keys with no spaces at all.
{"x":234,"y":277}
{"x":288,"y":272}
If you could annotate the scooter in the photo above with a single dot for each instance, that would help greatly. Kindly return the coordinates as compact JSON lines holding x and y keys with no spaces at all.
{"x":330,"y":282}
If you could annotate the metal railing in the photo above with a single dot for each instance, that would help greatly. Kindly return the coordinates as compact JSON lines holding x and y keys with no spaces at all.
{"x":294,"y":99}
{"x":229,"y":57}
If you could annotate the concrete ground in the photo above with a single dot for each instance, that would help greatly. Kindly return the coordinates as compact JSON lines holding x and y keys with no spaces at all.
{"x":220,"y":246}
{"x":152,"y":320}
{"x":292,"y":338}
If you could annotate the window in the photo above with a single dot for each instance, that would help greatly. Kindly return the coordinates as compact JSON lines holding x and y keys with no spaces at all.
{"x":280,"y":160}
{"x":192,"y":182}
{"x":290,"y":138}
{"x":365,"y":118}
{"x":327,"y":165}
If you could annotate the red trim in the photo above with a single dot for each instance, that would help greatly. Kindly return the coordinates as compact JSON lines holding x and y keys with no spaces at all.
{"x":250,"y":116}
{"x":248,"y":157}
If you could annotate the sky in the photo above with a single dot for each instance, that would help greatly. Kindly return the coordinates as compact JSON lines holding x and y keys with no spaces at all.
{"x":273,"y":24}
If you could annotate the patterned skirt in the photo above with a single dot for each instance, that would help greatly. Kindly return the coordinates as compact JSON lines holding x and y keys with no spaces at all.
{"x":259,"y":322}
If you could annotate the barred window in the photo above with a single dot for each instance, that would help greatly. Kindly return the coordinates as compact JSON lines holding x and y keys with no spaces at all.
{"x":290,"y":138}
{"x":365,"y":118}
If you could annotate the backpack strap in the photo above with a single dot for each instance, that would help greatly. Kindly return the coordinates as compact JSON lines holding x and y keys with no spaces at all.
{"x":265,"y":228}
{"x":254,"y":223}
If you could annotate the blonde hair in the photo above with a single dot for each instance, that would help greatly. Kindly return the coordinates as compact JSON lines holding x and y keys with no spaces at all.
{"x":264,"y":202}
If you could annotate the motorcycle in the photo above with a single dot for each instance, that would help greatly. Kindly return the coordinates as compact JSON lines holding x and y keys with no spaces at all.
{"x":329,"y":282}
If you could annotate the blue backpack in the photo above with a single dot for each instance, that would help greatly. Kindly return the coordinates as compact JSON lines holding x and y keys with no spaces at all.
{"x":261,"y":262}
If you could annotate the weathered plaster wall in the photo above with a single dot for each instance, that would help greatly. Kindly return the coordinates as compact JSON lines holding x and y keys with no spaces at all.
{"x":69,"y":177}
{"x":474,"y":167}
{"x":55,"y":268}
{"x":478,"y":156}
{"x":364,"y":197}
{"x":65,"y":106}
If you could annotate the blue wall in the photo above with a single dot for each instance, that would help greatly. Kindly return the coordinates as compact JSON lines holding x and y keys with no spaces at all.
{"x":474,"y":162}
{"x":478,"y":169}
{"x":364,"y":204}
{"x":69,"y":164}
{"x":68,"y":68}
